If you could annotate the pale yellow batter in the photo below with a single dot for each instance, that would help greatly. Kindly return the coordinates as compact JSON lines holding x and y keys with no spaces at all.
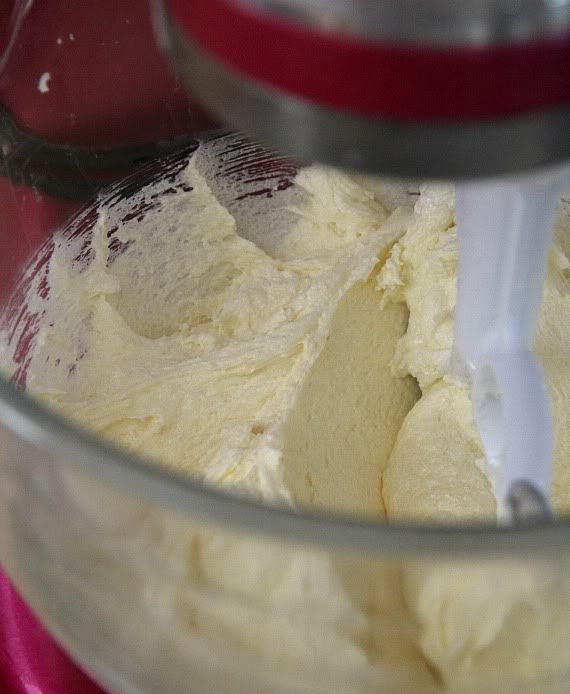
{"x":308,"y":363}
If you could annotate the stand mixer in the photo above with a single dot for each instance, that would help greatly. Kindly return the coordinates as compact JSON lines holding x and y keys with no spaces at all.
{"x":456,"y":90}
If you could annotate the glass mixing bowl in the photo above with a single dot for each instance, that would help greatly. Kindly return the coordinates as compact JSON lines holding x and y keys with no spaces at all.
{"x":107,"y":548}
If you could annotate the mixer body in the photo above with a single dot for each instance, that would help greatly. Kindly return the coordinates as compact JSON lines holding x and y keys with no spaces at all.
{"x":435,"y":89}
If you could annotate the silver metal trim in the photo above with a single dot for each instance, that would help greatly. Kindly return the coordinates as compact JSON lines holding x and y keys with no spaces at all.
{"x":430,"y":22}
{"x":394,"y":148}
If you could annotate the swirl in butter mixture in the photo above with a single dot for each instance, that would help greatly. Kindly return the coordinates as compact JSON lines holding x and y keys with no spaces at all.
{"x":307,"y":364}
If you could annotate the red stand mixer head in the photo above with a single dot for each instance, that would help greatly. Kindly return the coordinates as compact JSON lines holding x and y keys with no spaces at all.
{"x":433,"y":89}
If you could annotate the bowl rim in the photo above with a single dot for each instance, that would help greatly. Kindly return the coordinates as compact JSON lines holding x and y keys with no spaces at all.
{"x":32,"y":422}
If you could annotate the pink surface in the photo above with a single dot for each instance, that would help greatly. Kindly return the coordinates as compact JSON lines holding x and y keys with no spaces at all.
{"x":30,"y":661}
